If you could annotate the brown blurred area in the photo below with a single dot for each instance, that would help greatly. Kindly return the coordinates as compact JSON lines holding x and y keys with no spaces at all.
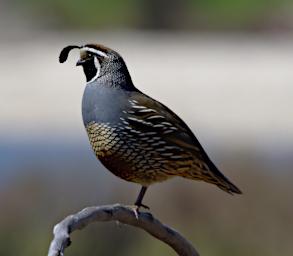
{"x":224,"y":66}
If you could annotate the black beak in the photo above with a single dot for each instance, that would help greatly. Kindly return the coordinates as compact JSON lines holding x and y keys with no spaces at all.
{"x":80,"y":62}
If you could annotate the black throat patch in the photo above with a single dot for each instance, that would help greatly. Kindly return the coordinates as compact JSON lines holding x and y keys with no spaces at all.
{"x":90,"y":69}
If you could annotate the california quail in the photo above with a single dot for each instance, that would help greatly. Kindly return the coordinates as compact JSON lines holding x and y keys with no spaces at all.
{"x":136,"y":137}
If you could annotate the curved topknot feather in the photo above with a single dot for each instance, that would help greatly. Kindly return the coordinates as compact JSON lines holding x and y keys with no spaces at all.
{"x":65,"y":51}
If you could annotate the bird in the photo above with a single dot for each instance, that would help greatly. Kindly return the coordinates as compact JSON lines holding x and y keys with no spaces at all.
{"x":134,"y":136}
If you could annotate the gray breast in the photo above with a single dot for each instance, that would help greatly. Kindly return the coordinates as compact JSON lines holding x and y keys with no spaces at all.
{"x":102,"y":104}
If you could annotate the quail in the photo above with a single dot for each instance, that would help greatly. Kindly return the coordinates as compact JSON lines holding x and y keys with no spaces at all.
{"x":134,"y":136}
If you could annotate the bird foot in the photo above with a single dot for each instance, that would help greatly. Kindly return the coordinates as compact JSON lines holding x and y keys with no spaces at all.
{"x":135,"y":208}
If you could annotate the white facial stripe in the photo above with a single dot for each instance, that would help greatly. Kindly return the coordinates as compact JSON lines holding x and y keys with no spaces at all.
{"x":98,"y":67}
{"x":95,"y":51}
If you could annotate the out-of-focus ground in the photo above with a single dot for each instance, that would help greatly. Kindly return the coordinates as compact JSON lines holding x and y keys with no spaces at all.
{"x":235,"y":93}
{"x":225,"y":67}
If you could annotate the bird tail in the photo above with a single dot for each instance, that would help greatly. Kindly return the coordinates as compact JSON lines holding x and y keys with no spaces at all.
{"x":228,"y":186}
{"x":223,"y":182}
{"x":213,"y":176}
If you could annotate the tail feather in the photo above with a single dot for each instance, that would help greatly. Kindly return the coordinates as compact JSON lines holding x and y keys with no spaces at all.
{"x":228,"y":186}
{"x":212,"y":175}
{"x":221,"y":180}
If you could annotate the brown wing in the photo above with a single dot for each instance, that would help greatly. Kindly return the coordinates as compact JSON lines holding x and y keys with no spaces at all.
{"x":182,"y":148}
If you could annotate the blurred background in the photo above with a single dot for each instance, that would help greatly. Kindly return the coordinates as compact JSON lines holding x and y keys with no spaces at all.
{"x":224,"y":66}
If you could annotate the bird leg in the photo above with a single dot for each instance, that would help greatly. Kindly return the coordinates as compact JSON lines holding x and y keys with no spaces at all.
{"x":138,"y":201}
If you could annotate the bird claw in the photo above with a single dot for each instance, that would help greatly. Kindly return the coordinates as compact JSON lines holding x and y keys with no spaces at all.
{"x":136,"y":212}
{"x":135,"y":208}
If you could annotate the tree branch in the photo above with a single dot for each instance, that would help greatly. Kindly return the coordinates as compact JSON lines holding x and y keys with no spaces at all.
{"x":125,"y":215}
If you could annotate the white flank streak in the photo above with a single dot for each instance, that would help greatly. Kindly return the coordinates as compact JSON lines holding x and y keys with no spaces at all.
{"x":156,"y":117}
{"x":147,"y":110}
{"x":139,"y":121}
{"x":95,"y":51}
{"x":98,"y":67}
{"x":158,"y":126}
{"x":167,"y":123}
{"x":139,"y":107}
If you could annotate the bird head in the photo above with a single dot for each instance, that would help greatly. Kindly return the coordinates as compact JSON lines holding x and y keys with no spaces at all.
{"x":96,"y":60}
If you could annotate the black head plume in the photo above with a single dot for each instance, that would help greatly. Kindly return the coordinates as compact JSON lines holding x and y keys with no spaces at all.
{"x":65,"y":51}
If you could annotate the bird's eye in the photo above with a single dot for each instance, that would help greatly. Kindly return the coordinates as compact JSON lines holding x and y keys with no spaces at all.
{"x":89,"y":55}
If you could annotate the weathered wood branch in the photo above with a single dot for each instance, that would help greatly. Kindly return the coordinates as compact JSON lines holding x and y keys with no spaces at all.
{"x":125,"y":215}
